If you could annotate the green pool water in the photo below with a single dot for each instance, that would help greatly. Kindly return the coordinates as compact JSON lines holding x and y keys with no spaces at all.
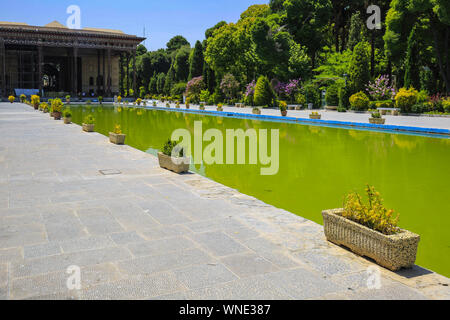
{"x":318,"y":166}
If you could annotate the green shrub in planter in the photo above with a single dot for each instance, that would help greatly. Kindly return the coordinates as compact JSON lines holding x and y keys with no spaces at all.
{"x":406,"y":98}
{"x":359,"y":101}
{"x":384,"y":104}
{"x":89,"y":119}
{"x":263,"y":92}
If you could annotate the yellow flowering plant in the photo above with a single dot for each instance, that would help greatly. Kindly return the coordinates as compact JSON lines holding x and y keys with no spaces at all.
{"x":117,"y":129}
{"x":373,"y":214}
{"x":11,"y":99}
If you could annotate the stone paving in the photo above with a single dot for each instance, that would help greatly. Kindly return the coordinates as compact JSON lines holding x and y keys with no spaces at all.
{"x":151,"y":234}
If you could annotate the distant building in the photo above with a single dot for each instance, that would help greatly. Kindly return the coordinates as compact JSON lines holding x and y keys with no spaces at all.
{"x":54,"y":59}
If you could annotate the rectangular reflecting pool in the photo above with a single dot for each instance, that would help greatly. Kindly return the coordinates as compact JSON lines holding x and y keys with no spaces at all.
{"x":319,"y":165}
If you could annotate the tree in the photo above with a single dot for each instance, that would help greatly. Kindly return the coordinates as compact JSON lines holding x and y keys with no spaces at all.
{"x":412,"y":67}
{"x":210,"y":32}
{"x":357,"y":32}
{"x":181,"y":64}
{"x":152,"y":85}
{"x":307,"y":21}
{"x":299,"y":62}
{"x":168,"y":81}
{"x":196,"y":61}
{"x":160,"y":82}
{"x":334,"y":64}
{"x":229,"y":86}
{"x":176,"y":43}
{"x":263,"y":92}
{"x":140,"y":50}
{"x":359,"y":72}
{"x":256,"y":11}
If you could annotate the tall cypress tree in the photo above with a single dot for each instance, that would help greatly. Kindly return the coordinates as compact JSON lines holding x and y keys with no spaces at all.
{"x":359,"y":72}
{"x":412,"y":68}
{"x":196,"y":61}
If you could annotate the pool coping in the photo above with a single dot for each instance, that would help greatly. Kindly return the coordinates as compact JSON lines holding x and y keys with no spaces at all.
{"x":334,"y":123}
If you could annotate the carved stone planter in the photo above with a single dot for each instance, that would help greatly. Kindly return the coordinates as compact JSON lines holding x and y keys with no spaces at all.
{"x":117,"y":138}
{"x":67,"y":120}
{"x":201,"y":108}
{"x":390,"y":251}
{"x":256,"y":111}
{"x":88,"y":127}
{"x":177,"y":165}
{"x":57,"y":115}
{"x":284,"y":113}
{"x":219,"y":109}
{"x":315,"y":116}
{"x":377,"y":120}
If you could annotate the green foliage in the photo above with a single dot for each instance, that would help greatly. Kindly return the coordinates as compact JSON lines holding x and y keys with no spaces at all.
{"x":359,"y":101}
{"x":282,"y":105}
{"x":176,"y":43}
{"x":67,"y":113}
{"x":57,"y":105}
{"x":256,"y":11}
{"x":359,"y":73}
{"x":412,"y":68}
{"x":344,"y":98}
{"x":384,"y":104}
{"x":205,"y":96}
{"x":181,"y":64}
{"x":312,"y":94}
{"x":171,"y":149}
{"x":196,"y":61}
{"x":178,"y":89}
{"x":23,"y":98}
{"x":229,"y":86}
{"x":89,"y":119}
{"x":334,"y":64}
{"x":300,"y":99}
{"x":406,"y":98}
{"x":372,"y":214}
{"x":332,"y":95}
{"x":263,"y":92}
{"x":358,"y":31}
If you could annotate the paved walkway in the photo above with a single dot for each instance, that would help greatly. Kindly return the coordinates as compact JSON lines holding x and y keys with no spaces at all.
{"x":150,"y":234}
{"x":407,"y":121}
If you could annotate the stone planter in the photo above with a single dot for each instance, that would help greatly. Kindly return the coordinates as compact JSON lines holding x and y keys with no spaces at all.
{"x":117,"y":138}
{"x":256,"y":111}
{"x":291,"y":106}
{"x":284,"y":113}
{"x":187,"y":106}
{"x":315,"y":116}
{"x":219,"y":109}
{"x":88,"y":127}
{"x":177,"y":165}
{"x":67,"y":120}
{"x":298,"y":107}
{"x":57,"y":115}
{"x":45,"y":111}
{"x":332,"y":108}
{"x":201,"y":108}
{"x":390,"y":251}
{"x":377,"y":120}
{"x":36,"y":106}
{"x":395,"y":112}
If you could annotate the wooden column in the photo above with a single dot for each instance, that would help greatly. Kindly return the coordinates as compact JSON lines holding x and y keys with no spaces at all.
{"x":98,"y":72}
{"x":40,"y":60}
{"x":134,"y":73}
{"x":109,"y":72}
{"x":75,"y":71}
{"x":3,"y":66}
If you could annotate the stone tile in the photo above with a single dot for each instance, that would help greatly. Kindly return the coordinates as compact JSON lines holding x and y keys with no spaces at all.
{"x":3,"y":293}
{"x":327,"y":263}
{"x":204,"y":275}
{"x":64,"y":226}
{"x":131,"y":216}
{"x":164,"y":262}
{"x":138,"y":287}
{"x":126,"y":238}
{"x":3,"y":274}
{"x":156,"y":247}
{"x":165,"y":232}
{"x":84,"y":244}
{"x":12,"y":254}
{"x":99,"y":222}
{"x":41,"y":250}
{"x":15,"y":236}
{"x":390,"y":292}
{"x":218,"y":243}
{"x":62,"y":262}
{"x":303,"y":284}
{"x":164,"y":213}
{"x":242,"y":233}
{"x":248,"y":264}
{"x":225,"y":224}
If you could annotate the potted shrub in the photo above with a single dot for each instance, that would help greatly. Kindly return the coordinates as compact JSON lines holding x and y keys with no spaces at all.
{"x":44,"y":107}
{"x":359,"y":101}
{"x":23,"y":98}
{"x":35,"y":101}
{"x":256,"y":110}
{"x":89,"y":123}
{"x":117,"y":137}
{"x":100,"y":99}
{"x":57,"y":106}
{"x":172,"y":158}
{"x":11,"y":99}
{"x":119,"y":99}
{"x":138,"y":101}
{"x":202,"y":106}
{"x":371,"y":230}
{"x":154,"y":103}
{"x":283,"y":108}
{"x":177,"y":105}
{"x":315,"y":115}
{"x":376,"y":118}
{"x":68,"y":99}
{"x":167,"y":105}
{"x":67,"y":114}
{"x":220,"y":107}
{"x":188,"y":102}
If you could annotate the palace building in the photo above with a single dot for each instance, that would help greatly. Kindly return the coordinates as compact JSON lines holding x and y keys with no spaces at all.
{"x":56,"y":59}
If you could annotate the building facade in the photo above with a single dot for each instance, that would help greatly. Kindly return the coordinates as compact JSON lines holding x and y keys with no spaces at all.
{"x":56,"y":60}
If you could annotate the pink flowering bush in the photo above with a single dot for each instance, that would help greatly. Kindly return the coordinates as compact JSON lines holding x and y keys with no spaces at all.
{"x":380,"y":89}
{"x":194,"y":88}
{"x":286,"y":90}
{"x":229,"y":86}
{"x":250,"y":93}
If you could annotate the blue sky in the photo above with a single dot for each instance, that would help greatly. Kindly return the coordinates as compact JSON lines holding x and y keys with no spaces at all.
{"x":162,"y":19}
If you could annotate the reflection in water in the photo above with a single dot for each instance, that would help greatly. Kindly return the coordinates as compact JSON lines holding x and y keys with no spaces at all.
{"x":318,"y":166}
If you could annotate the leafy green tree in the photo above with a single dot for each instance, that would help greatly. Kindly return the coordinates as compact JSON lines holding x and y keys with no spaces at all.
{"x":181,"y":64}
{"x":140,"y":50}
{"x":307,"y":21}
{"x":299,"y":62}
{"x":152,"y":87}
{"x":256,"y":11}
{"x":169,"y":80}
{"x":160,"y":82}
{"x":412,"y":67}
{"x":334,"y":64}
{"x":176,"y":43}
{"x":359,"y":72}
{"x":357,"y":32}
{"x":196,"y":61}
{"x":210,"y":32}
{"x":263,"y":92}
